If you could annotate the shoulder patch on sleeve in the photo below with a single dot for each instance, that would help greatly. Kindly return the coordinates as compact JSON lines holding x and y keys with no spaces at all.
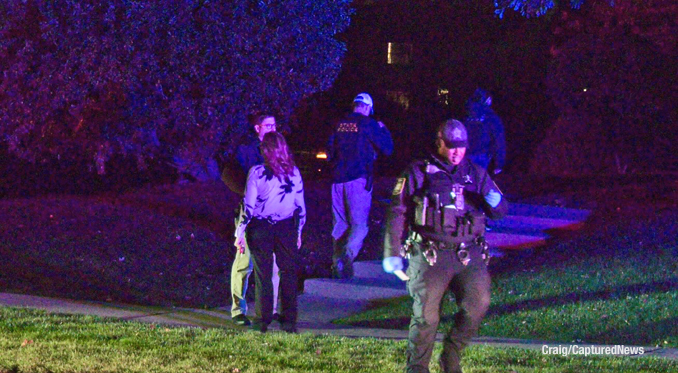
{"x":400,"y":185}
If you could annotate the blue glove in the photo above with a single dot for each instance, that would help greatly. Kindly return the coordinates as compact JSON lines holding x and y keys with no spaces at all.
{"x":392,"y":264}
{"x":493,"y":198}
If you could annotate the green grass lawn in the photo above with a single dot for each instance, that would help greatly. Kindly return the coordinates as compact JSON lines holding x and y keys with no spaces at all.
{"x":616,"y":285}
{"x":34,"y":341}
{"x":171,"y":246}
{"x":167,"y":245}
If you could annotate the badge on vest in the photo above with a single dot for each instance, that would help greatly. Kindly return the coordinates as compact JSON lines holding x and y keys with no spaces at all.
{"x":457,"y":196}
{"x":347,"y":127}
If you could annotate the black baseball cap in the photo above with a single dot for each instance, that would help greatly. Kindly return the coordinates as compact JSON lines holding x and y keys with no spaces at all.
{"x":453,"y":133}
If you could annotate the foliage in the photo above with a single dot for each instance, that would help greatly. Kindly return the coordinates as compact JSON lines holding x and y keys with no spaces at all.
{"x":613,"y":67}
{"x":96,"y":78}
{"x":532,"y":8}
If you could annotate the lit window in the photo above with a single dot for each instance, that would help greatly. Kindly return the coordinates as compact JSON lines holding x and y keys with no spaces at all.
{"x":399,"y":97}
{"x":399,"y":54}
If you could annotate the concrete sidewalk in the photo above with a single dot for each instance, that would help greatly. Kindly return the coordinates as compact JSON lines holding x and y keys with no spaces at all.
{"x":325,"y":300}
{"x":315,"y":317}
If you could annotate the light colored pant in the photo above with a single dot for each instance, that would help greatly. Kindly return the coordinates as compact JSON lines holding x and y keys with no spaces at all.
{"x":240,"y":273}
{"x":350,"y":212}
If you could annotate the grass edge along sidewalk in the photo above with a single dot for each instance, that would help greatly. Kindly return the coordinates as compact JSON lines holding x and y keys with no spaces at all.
{"x":608,"y":297}
{"x":37,"y":341}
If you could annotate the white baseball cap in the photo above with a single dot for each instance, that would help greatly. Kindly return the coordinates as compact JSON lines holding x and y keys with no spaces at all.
{"x":366,"y":99}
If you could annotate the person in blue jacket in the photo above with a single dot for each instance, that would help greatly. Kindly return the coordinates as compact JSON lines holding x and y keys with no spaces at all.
{"x":353,"y":147}
{"x":487,"y":144}
{"x":234,"y":175}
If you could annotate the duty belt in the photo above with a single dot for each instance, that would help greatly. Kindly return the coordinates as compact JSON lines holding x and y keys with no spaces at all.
{"x":270,"y":220}
{"x":429,"y":250}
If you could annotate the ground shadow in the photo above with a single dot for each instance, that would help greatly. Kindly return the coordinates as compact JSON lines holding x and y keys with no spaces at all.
{"x":643,"y":334}
{"x":618,"y":292}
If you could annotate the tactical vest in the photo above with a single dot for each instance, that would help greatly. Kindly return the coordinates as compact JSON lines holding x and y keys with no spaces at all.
{"x":441,"y":212}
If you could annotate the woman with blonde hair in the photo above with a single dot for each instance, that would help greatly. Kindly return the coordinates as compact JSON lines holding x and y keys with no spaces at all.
{"x":273,"y":216}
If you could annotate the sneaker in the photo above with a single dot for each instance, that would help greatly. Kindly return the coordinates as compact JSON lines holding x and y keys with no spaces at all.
{"x":343,"y":269}
{"x":241,"y":319}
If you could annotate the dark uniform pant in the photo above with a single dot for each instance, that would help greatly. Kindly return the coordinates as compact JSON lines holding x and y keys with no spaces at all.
{"x":265,"y":238}
{"x":427,"y":286}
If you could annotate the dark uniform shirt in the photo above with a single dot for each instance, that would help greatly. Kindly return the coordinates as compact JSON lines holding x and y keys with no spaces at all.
{"x":353,"y":146}
{"x":431,"y":177}
{"x":247,"y":156}
{"x":487,"y":143}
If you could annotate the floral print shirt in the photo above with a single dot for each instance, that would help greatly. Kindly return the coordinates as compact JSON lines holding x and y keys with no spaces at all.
{"x":270,"y":197}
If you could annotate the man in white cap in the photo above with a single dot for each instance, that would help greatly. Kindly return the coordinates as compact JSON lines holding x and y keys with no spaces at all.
{"x":353,"y":147}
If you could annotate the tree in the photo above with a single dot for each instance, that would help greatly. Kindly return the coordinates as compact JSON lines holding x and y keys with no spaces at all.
{"x":532,"y":8}
{"x":97,"y":78}
{"x":613,"y":69}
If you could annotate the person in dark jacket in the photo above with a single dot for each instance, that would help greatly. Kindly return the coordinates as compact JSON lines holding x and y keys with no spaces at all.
{"x":487,"y":143}
{"x":353,"y":148}
{"x":438,"y":210}
{"x":234,"y":175}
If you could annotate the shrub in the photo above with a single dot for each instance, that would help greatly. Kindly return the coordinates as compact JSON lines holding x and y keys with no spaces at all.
{"x":90,"y":79}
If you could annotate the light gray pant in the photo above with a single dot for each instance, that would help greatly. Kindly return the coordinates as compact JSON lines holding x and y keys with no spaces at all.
{"x":350,"y":212}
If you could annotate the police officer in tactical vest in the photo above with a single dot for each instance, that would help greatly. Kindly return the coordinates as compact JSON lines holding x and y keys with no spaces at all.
{"x":437,"y":219}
